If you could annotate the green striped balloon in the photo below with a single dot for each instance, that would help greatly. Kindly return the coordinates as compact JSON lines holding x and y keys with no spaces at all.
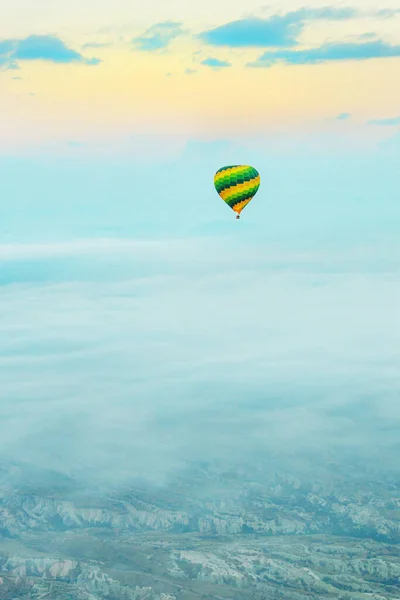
{"x":237,"y":185}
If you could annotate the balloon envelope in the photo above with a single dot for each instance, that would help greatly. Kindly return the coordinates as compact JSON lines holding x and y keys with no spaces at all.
{"x":237,"y":185}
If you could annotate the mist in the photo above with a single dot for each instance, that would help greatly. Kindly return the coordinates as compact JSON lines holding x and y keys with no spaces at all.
{"x":135,"y":359}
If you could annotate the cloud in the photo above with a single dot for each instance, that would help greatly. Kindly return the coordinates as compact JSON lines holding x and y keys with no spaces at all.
{"x":7,"y":61}
{"x":40,"y":47}
{"x":277,"y":30}
{"x":343,"y":117}
{"x":158,"y":37}
{"x":96,"y":45}
{"x":132,"y":358}
{"x":190,"y":71}
{"x":385,"y":122}
{"x":369,"y":35}
{"x":388,"y":12}
{"x":332,"y":52}
{"x":215,"y":63}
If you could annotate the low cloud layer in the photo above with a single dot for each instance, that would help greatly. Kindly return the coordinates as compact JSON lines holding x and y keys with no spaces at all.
{"x":194,"y":336}
{"x":123,"y":359}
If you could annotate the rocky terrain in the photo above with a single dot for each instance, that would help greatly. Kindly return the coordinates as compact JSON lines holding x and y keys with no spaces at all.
{"x":239,"y":534}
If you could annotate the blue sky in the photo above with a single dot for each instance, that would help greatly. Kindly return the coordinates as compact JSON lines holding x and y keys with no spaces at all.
{"x":311,"y":189}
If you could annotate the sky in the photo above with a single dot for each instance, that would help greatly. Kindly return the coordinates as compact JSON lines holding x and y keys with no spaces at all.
{"x":88,"y":77}
{"x":141,"y":325}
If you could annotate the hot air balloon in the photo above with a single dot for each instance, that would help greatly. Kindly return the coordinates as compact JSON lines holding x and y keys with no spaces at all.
{"x":237,"y":185}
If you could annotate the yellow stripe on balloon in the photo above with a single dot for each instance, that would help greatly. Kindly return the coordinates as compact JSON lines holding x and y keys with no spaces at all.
{"x":240,"y":206}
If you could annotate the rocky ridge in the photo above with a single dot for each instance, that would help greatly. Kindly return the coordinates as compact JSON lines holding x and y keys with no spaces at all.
{"x":229,"y":536}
